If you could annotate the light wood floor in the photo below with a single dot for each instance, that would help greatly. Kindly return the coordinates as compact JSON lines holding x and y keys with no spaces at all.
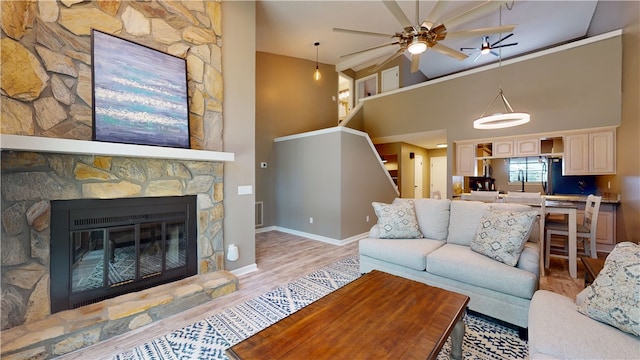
{"x":281,"y":258}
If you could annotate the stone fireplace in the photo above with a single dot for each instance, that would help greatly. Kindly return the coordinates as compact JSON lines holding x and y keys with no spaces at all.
{"x":30,"y":181}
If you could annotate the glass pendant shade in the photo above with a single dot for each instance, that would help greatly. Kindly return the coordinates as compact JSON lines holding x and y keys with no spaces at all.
{"x":316,"y":74}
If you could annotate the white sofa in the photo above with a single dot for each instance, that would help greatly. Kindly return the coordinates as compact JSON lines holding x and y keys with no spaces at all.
{"x":443,"y":258}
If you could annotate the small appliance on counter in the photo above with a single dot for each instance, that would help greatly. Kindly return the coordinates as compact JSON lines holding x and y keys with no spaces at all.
{"x":481,"y":183}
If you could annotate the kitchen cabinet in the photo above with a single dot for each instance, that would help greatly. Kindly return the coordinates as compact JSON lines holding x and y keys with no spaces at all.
{"x":527,"y":147}
{"x":503,"y":148}
{"x":591,"y":153}
{"x":465,"y":159}
{"x":606,"y":229}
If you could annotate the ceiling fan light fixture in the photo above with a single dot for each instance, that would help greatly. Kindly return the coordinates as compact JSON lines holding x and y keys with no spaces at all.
{"x":316,"y":74}
{"x":486,"y":48}
{"x":417,"y":46}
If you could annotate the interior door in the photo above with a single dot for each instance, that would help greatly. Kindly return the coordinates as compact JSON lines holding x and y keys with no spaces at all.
{"x":438,"y":175}
{"x":417,"y":177}
{"x":390,"y":79}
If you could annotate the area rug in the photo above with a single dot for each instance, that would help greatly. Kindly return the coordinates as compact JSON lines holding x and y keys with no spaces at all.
{"x":210,"y":337}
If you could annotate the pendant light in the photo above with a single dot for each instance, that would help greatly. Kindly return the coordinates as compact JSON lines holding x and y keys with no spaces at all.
{"x":509,"y":118}
{"x":316,"y":74}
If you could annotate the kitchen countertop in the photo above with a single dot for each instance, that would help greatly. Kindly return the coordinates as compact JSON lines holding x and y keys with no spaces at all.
{"x":571,"y":198}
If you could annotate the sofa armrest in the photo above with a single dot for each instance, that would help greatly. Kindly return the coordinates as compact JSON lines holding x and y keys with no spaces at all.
{"x":374,"y":233}
{"x":558,"y":330}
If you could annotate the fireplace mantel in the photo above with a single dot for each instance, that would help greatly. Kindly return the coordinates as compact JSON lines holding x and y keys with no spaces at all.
{"x":83,"y":147}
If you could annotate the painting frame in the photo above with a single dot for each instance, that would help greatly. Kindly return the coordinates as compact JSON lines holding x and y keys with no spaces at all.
{"x":139,"y":94}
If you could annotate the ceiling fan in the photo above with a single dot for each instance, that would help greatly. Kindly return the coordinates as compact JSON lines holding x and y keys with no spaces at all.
{"x":487,"y":48}
{"x":418,"y":37}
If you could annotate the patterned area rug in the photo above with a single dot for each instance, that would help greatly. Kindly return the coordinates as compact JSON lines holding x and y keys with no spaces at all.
{"x":210,"y":337}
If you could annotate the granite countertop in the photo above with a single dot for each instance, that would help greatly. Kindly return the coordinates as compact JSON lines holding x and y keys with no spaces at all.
{"x":572,"y":198}
{"x":582,"y":198}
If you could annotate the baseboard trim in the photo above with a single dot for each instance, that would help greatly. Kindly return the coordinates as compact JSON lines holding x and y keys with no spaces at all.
{"x":316,"y":237}
{"x":245,"y":270}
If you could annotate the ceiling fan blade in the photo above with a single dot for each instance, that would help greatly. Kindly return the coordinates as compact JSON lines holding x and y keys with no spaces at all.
{"x":469,"y":49}
{"x":397,"y":12}
{"x":475,"y":12}
{"x":415,"y":62}
{"x":480,"y":31}
{"x":495,"y":53}
{"x":449,"y":51}
{"x":387,"y":60}
{"x":358,"y":32}
{"x":477,"y":57}
{"x":505,"y":45}
{"x":501,"y":40}
{"x":435,"y":14}
{"x":369,"y":49}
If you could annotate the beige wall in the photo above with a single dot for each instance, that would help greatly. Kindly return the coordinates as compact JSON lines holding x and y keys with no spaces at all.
{"x":288,"y":101}
{"x":239,"y":128}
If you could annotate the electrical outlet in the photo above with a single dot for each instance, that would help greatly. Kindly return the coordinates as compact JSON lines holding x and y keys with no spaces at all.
{"x":310,"y":220}
{"x":367,"y":218}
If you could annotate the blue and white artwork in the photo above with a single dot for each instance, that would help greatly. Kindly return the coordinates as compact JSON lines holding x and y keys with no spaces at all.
{"x":139,"y":94}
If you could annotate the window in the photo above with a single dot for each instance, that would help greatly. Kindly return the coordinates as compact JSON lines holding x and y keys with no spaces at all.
{"x":534,"y":169}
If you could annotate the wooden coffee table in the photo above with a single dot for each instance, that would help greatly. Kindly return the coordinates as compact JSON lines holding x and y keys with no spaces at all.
{"x":376,"y":316}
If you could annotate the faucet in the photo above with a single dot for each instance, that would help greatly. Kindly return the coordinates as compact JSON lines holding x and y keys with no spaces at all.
{"x":521,"y":178}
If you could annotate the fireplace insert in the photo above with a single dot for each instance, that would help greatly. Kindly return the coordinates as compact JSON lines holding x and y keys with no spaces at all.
{"x":102,"y":248}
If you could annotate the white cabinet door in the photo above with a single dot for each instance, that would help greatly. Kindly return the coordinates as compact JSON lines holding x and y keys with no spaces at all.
{"x":528,"y":147}
{"x":502,"y":148}
{"x":465,"y":160}
{"x":576,"y":155}
{"x":602,"y":149}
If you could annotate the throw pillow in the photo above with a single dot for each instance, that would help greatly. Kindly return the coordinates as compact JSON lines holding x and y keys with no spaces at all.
{"x":614,"y":296}
{"x":502,"y":234}
{"x":397,"y":221}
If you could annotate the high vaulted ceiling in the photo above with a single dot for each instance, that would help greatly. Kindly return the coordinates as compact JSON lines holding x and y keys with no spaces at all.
{"x":291,"y":27}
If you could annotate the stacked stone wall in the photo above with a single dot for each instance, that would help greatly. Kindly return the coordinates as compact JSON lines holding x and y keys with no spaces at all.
{"x":46,"y":91}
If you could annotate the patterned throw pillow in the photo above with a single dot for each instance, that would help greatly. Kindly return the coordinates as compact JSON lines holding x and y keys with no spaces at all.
{"x":614,"y":296}
{"x":397,"y":221}
{"x":502,"y":234}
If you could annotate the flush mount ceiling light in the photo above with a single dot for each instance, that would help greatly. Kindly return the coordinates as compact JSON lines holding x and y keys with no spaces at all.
{"x":501,"y":120}
{"x":316,"y":74}
{"x":441,"y":145}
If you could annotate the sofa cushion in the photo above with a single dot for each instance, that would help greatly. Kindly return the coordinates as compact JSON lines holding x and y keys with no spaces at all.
{"x":614,"y":296}
{"x":411,"y":253}
{"x":459,"y":262}
{"x":432,"y":215}
{"x":464,"y":218}
{"x":397,"y":221}
{"x":502,"y":234}
{"x":558,"y":331}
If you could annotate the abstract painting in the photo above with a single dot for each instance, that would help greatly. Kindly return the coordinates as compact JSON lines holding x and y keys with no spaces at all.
{"x":139,"y":94}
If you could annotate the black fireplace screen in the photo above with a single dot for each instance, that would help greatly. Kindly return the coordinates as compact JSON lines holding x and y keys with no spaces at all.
{"x":104,"y":248}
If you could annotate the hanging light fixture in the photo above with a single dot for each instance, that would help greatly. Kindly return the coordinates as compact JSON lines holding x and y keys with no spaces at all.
{"x":501,"y":120}
{"x":316,"y":74}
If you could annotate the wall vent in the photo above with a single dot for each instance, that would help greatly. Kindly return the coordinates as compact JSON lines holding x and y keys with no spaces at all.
{"x":259,"y":214}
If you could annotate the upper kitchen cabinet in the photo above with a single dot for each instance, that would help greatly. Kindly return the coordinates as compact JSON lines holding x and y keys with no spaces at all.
{"x":527,"y":147}
{"x":503,"y":148}
{"x":465,"y":159}
{"x":590,"y":153}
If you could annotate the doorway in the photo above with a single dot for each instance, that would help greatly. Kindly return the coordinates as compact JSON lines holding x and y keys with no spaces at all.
{"x":438,"y":175}
{"x":417,"y":177}
{"x":345,"y":96}
{"x":367,"y":86}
